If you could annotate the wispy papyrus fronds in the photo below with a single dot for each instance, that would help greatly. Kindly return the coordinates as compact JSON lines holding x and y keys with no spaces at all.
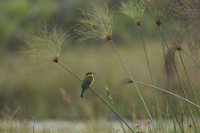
{"x":44,"y":46}
{"x":133,"y":9}
{"x":95,"y":23}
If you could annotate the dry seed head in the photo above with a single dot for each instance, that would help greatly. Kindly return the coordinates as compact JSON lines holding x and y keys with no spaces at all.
{"x":138,"y":23}
{"x":96,"y":23}
{"x":110,"y":98}
{"x":188,"y":9}
{"x":159,"y":9}
{"x":107,"y":90}
{"x":109,"y":95}
{"x":176,"y":41}
{"x":123,"y":82}
{"x":133,"y":9}
{"x":127,"y":81}
{"x":45,"y":46}
{"x":177,"y":45}
{"x":193,"y":37}
{"x":108,"y":38}
{"x":158,"y":21}
{"x":55,"y":59}
{"x":176,"y":33}
{"x":170,"y":61}
{"x":190,"y":125}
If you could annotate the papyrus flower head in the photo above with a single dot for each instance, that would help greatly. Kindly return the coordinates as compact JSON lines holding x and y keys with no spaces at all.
{"x":133,"y":9}
{"x":95,"y":23}
{"x":188,"y":9}
{"x":159,"y":9}
{"x":44,"y":46}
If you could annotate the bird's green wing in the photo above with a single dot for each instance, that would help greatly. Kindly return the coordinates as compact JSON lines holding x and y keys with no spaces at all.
{"x":86,"y":82}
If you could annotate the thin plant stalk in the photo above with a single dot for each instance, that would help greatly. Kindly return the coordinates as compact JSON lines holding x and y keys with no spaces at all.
{"x":134,"y":84}
{"x":164,"y":43}
{"x":183,"y":89}
{"x":181,"y":84}
{"x":186,"y":53}
{"x":168,"y":86}
{"x":188,"y":78}
{"x":112,"y":108}
{"x":148,"y":64}
{"x":99,"y":96}
{"x":171,"y":106}
{"x":168,"y":93}
{"x":67,"y":69}
{"x":192,"y":58}
{"x":185,"y":95}
{"x":121,"y":124}
{"x":11,"y":118}
{"x":112,"y":103}
{"x":151,"y":77}
{"x":174,"y":116}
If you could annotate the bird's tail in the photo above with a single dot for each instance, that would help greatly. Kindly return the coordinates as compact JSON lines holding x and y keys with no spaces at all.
{"x":81,"y":96}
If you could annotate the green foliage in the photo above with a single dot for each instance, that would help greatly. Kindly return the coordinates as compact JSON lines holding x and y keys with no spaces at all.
{"x":22,"y":15}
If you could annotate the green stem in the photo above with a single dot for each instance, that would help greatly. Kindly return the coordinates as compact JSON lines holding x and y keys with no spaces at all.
{"x":172,"y":108}
{"x":148,"y":63}
{"x":113,"y":109}
{"x":134,"y":84}
{"x":99,"y":96}
{"x":112,"y":103}
{"x":67,"y":69}
{"x":121,"y":124}
{"x":174,"y":116}
{"x":151,"y":77}
{"x":192,"y":58}
{"x":168,"y":93}
{"x":188,"y":78}
{"x":167,"y":76}
{"x":181,"y":84}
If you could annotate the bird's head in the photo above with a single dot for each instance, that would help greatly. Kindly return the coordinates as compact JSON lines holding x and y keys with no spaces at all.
{"x":90,"y":74}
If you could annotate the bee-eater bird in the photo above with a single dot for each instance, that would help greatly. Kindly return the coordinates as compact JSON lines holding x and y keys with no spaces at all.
{"x":87,"y":82}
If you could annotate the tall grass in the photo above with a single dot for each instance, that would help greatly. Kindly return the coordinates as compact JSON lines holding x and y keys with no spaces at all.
{"x":135,"y":10}
{"x":97,"y":24}
{"x":179,"y":79}
{"x":159,"y":14}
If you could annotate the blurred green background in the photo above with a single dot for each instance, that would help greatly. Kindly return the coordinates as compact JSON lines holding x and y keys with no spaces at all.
{"x":46,"y":91}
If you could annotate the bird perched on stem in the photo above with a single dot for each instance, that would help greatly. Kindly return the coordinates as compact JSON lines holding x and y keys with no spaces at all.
{"x":87,"y":82}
